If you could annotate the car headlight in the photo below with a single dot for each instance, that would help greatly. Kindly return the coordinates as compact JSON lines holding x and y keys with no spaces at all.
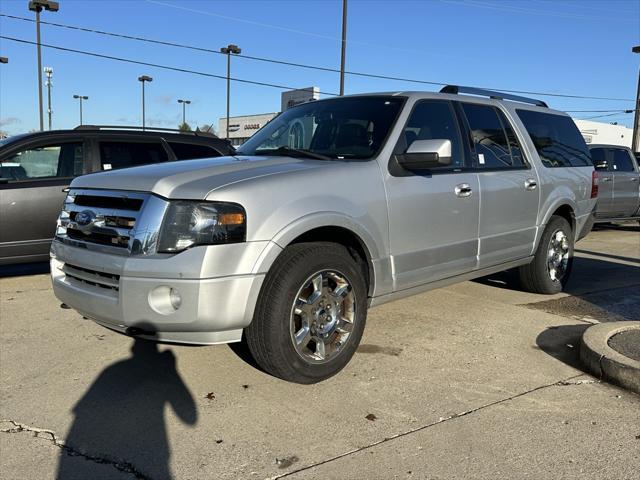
{"x":188,"y":223}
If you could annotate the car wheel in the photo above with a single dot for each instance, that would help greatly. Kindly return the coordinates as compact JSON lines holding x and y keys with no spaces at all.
{"x":310,"y":314}
{"x":551,"y":266}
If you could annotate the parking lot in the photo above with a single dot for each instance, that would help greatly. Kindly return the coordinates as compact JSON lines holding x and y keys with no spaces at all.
{"x":477,"y":380}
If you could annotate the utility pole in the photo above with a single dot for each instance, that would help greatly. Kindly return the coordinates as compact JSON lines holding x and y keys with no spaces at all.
{"x":344,"y":45}
{"x":184,"y":103}
{"x":228,"y":50}
{"x":635,"y":143}
{"x":37,"y":6}
{"x":48,"y":71}
{"x":81,"y":98}
{"x":142,"y":79}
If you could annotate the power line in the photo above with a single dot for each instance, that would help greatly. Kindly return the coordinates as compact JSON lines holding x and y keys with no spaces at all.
{"x":302,"y":65}
{"x":156,"y":65}
{"x":599,"y":111}
{"x":615,"y":114}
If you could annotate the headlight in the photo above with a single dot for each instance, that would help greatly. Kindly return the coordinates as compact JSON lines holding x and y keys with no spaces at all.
{"x":187,"y":224}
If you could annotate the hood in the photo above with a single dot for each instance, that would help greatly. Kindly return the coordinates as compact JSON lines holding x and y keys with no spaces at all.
{"x":192,"y":179}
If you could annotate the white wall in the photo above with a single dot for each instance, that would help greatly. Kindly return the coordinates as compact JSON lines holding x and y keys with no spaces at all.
{"x":598,"y":132}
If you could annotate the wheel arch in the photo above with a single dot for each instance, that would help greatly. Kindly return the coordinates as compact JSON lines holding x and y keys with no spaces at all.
{"x":330,"y":227}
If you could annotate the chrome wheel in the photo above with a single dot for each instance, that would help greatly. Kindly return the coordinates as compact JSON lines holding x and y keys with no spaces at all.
{"x":558,"y":255}
{"x":322,"y":317}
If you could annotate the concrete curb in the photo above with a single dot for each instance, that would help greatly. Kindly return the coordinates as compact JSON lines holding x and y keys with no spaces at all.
{"x":606,"y":363}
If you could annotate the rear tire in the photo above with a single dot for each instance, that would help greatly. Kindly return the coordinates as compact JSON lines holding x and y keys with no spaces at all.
{"x":310,"y":314}
{"x":551,"y":267}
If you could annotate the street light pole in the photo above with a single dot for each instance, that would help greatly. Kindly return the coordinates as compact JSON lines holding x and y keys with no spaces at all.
{"x":635,"y":143}
{"x":37,"y":6}
{"x":48,"y":71}
{"x":228,"y":50}
{"x":184,"y":104}
{"x":81,"y":98}
{"x":143,"y":79}
{"x":344,"y":45}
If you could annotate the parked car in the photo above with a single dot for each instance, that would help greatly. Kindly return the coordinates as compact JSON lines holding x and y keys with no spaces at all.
{"x":333,"y":207}
{"x":619,"y":183}
{"x":36,"y":167}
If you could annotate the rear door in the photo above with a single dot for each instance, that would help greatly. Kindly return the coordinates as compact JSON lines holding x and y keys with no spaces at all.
{"x":509,"y":192}
{"x":626,"y":193}
{"x":32,"y":178}
{"x":433,"y":215}
{"x":602,"y":158}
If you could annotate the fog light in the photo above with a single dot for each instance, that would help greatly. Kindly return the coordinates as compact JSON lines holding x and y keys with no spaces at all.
{"x":165,"y":300}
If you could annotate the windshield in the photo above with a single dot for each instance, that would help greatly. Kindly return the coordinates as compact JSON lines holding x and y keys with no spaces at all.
{"x":351,"y":127}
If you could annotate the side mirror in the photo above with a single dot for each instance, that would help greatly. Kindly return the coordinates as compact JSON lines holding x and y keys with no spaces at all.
{"x":426,"y":154}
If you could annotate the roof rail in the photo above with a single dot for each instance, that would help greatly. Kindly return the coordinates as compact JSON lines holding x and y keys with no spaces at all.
{"x":455,"y":89}
{"x":198,"y":132}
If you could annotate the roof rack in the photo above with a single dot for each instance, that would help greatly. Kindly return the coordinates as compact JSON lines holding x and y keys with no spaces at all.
{"x":455,"y":89}
{"x":198,"y":132}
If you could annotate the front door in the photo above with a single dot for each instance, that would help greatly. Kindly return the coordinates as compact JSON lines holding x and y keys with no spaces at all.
{"x":31,"y":183}
{"x":433,"y":215}
{"x":626,"y":178}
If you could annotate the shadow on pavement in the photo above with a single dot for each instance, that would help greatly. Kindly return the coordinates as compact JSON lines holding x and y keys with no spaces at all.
{"x":120,"y":419}
{"x":563,"y":343}
{"x":621,"y":227}
{"x":599,"y":289}
{"x":20,"y":269}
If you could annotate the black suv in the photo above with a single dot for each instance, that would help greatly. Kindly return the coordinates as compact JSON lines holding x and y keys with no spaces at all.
{"x":35,"y":168}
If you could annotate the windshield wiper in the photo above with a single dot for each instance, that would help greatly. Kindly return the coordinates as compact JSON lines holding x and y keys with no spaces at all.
{"x":293,"y":152}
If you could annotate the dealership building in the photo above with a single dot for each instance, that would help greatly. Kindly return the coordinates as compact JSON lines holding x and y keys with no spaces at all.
{"x":607,"y":133}
{"x":241,"y":128}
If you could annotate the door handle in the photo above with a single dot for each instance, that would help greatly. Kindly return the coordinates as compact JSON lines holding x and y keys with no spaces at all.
{"x":463,"y":190}
{"x":634,"y":179}
{"x":530,"y":184}
{"x":606,"y":179}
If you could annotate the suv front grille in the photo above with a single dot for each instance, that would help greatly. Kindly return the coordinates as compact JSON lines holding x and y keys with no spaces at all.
{"x":104,"y":218}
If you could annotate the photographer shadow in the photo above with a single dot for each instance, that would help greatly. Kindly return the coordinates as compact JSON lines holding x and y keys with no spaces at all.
{"x":120,"y":419}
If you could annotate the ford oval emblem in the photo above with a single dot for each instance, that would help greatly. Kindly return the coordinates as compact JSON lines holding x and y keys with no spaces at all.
{"x":85,"y":217}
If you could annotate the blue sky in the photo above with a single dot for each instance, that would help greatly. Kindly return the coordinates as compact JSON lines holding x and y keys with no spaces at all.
{"x":575,"y":47}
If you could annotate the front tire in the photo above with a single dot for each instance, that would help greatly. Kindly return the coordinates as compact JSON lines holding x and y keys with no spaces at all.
{"x":549,"y":271}
{"x":310,"y":314}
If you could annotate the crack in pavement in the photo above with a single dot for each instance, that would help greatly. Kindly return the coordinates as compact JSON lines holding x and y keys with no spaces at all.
{"x":122,"y":466}
{"x":560,"y":383}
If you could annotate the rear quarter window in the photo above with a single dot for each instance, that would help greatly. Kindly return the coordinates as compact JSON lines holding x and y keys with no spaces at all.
{"x":556,"y":138}
{"x":187,"y":151}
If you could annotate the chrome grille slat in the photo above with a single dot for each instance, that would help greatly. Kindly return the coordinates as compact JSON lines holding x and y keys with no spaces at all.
{"x":91,"y":276}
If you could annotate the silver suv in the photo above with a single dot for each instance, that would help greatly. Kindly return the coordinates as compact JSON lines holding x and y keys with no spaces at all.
{"x":333,"y":207}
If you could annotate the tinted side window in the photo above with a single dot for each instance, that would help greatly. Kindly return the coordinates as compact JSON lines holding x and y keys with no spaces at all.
{"x":489,"y":138}
{"x":115,"y":155}
{"x":62,"y":160}
{"x":434,"y":120}
{"x":599,"y":157}
{"x":556,"y":138}
{"x":622,"y":161}
{"x":186,"y":151}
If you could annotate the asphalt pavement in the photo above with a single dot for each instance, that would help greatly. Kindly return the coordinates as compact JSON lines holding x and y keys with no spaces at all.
{"x":477,"y":380}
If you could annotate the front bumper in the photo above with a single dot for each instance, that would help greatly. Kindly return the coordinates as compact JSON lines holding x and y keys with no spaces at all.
{"x":121,"y":293}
